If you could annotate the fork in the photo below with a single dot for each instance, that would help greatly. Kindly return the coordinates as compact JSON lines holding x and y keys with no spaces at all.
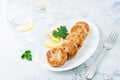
{"x":108,"y":44}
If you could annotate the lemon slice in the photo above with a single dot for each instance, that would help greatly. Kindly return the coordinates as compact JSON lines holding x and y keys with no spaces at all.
{"x":52,"y":37}
{"x":27,"y":25}
{"x":51,"y":44}
{"x":41,"y":4}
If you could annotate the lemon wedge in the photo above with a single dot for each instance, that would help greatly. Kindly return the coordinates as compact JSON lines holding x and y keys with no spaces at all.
{"x":54,"y":39}
{"x":27,"y":25}
{"x":51,"y":44}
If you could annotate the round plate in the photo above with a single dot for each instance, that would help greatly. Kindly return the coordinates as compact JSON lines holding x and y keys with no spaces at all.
{"x":89,"y":46}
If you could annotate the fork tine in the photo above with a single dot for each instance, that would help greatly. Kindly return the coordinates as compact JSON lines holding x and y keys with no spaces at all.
{"x":109,"y":37}
{"x":115,"y":38}
{"x":112,"y":37}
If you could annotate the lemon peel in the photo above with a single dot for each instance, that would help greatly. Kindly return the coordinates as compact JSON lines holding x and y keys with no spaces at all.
{"x":27,"y":25}
{"x":52,"y":38}
{"x":51,"y":44}
{"x":41,"y":4}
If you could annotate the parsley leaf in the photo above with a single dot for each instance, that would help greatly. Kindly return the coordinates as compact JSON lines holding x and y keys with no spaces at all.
{"x":23,"y":56}
{"x":27,"y":55}
{"x":60,"y":32}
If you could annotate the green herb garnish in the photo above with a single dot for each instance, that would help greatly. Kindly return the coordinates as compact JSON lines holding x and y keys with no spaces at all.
{"x":27,"y":55}
{"x":60,"y":32}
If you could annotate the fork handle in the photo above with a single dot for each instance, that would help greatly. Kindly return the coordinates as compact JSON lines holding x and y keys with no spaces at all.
{"x":92,"y":69}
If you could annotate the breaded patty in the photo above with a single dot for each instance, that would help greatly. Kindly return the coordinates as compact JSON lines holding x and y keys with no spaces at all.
{"x":82,"y":28}
{"x":76,"y":29}
{"x":56,"y":57}
{"x":84,"y":24}
{"x":76,"y":38}
{"x":70,"y":48}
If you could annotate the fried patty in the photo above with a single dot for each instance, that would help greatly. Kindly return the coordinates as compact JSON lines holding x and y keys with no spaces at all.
{"x":76,"y":38}
{"x":70,"y":48}
{"x":82,"y":28}
{"x":56,"y":57}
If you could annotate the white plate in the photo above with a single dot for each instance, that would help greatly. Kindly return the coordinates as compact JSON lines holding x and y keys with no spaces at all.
{"x":89,"y":46}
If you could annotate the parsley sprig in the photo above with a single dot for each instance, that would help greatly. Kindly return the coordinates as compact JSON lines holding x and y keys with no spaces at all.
{"x":27,"y":55}
{"x":60,"y":32}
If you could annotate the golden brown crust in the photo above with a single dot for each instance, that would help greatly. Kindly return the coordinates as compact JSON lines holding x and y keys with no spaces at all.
{"x":84,"y":24}
{"x":56,"y":57}
{"x":76,"y":38}
{"x":82,"y":28}
{"x":76,"y":29}
{"x":70,"y":48}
